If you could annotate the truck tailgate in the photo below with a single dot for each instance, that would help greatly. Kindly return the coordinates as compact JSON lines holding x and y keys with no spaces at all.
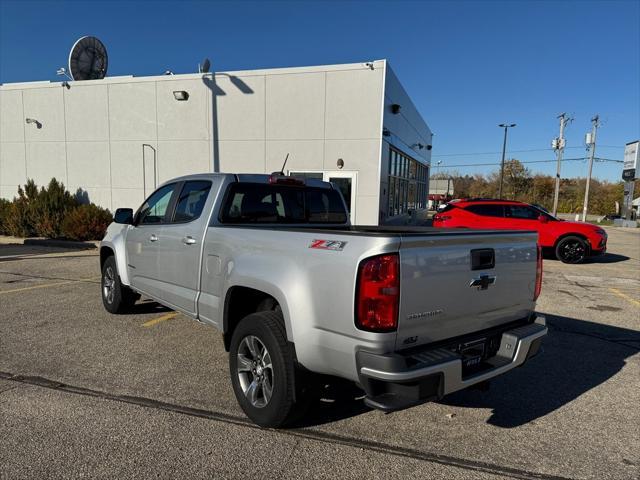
{"x":460,"y":283}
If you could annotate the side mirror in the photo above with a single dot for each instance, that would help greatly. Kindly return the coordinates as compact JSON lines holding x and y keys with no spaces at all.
{"x":543,"y":219}
{"x":123,"y":215}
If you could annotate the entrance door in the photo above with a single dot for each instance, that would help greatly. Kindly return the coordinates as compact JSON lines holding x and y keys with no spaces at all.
{"x":346,"y":182}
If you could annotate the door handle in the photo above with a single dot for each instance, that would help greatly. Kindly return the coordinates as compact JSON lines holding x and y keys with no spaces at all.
{"x":153,"y":238}
{"x":188,"y":240}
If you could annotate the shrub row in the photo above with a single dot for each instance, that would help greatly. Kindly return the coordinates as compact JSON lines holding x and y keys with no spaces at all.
{"x":52,"y":212}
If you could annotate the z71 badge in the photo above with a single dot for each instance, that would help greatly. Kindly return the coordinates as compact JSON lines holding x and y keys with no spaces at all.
{"x":328,"y":245}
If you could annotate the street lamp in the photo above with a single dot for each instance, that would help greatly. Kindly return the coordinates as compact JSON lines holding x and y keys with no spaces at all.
{"x":504,"y":148}
{"x":438,"y":163}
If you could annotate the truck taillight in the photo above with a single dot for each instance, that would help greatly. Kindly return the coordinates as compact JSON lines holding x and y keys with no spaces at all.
{"x":378,"y":293}
{"x":536,"y":292}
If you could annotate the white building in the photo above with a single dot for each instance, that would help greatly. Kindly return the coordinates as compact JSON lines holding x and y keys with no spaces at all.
{"x":118,"y":137}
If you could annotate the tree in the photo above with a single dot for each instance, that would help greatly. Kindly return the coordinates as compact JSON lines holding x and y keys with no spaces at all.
{"x":520,"y":184}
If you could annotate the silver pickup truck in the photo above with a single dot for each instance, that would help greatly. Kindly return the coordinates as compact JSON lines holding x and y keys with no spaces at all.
{"x":409,"y":314}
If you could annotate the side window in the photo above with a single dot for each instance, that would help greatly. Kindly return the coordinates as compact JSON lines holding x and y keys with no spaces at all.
{"x":155,"y":208}
{"x":191,"y":200}
{"x":522,"y":212}
{"x":486,"y":210}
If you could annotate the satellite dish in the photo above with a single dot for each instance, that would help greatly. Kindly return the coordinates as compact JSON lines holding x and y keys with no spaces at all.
{"x":88,"y":59}
{"x":206,"y":65}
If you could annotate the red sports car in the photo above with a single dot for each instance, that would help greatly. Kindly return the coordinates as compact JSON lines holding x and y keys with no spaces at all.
{"x":571,"y":242}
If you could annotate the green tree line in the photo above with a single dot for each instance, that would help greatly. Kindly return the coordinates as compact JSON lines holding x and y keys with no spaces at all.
{"x":523,"y":185}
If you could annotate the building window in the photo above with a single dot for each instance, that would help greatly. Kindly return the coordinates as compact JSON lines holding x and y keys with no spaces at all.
{"x":407,"y":184}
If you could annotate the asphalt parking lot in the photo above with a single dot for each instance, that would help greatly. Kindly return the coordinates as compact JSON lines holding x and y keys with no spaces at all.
{"x":85,"y":393}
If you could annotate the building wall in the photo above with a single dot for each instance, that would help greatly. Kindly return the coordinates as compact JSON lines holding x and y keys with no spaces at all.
{"x":317,"y":115}
{"x":404,"y":131}
{"x":102,"y":135}
{"x":92,"y":135}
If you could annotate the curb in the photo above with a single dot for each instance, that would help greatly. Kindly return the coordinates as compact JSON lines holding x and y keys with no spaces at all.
{"x":45,"y":242}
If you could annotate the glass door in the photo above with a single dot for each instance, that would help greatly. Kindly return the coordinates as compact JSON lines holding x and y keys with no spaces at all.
{"x":346,"y":182}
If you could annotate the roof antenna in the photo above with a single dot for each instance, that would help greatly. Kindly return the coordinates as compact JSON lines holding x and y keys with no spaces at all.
{"x":284,"y":164}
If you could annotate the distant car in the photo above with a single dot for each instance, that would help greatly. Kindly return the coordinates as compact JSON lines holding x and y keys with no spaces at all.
{"x":570,"y":242}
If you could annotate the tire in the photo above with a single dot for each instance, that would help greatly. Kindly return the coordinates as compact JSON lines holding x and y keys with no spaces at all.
{"x":263,"y":383}
{"x":116,"y":298}
{"x":572,"y":250}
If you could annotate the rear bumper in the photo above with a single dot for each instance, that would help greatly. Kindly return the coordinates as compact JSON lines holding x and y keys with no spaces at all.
{"x":396,"y":381}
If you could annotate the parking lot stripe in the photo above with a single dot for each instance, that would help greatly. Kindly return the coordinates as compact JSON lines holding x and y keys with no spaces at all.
{"x":162,"y":318}
{"x":626,"y":297}
{"x":46,"y":285}
{"x":38,"y":286}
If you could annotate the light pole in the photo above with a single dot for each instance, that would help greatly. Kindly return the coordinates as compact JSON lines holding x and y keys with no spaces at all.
{"x":437,"y":179}
{"x":591,"y":142}
{"x":558,"y":145}
{"x":504,"y":149}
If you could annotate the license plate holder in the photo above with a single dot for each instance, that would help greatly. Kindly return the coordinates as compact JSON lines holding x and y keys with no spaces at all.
{"x":472,"y":353}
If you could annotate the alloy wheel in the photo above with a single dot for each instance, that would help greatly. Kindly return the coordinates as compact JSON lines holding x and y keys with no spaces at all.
{"x":573,"y":251}
{"x":255,"y":371}
{"x":108,"y":285}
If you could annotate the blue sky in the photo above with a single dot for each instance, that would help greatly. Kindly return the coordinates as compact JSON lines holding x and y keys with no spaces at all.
{"x":468,"y":66}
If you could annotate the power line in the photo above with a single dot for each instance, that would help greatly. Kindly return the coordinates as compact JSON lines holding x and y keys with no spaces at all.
{"x":577,"y":159}
{"x":490,"y":153}
{"x":498,"y":163}
{"x":515,"y":151}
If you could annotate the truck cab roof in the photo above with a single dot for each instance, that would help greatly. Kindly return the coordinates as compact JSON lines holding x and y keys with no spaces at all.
{"x":275,"y":177}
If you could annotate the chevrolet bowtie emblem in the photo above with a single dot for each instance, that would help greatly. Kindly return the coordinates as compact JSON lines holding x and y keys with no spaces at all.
{"x":483,"y":281}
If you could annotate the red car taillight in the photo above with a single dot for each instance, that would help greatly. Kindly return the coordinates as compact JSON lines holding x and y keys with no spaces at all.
{"x":378,"y":293}
{"x":538,"y":288}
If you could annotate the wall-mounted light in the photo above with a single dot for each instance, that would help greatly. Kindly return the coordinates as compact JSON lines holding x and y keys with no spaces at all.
{"x":181,"y":95}
{"x":386,"y":132}
{"x":340,"y":163}
{"x":63,"y":72}
{"x":395,"y":108}
{"x":33,"y":120}
{"x":419,"y":146}
{"x":168,"y":72}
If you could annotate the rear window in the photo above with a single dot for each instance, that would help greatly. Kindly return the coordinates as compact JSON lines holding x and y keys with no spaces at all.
{"x":486,"y":210}
{"x":261,"y":203}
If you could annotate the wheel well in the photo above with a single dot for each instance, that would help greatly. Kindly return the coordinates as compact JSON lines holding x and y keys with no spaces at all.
{"x":105,"y":252}
{"x":240,"y":302}
{"x":579,"y":235}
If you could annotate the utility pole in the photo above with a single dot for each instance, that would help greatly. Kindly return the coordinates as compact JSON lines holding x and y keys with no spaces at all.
{"x":558,"y":145}
{"x":591,"y":142}
{"x":504,"y":149}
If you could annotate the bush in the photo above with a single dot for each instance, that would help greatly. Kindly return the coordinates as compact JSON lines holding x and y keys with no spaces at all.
{"x":52,"y":212}
{"x":19,"y":221}
{"x":50,"y":208}
{"x":5,"y":206}
{"x":86,"y":222}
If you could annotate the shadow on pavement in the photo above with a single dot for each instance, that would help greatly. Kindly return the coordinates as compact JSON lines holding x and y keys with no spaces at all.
{"x":578,"y":356}
{"x":335,"y":399}
{"x":148,"y":306}
{"x":607,"y":258}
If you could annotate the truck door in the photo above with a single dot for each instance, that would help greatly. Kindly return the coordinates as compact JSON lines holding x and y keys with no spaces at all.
{"x":143,"y":237}
{"x":180,"y":245}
